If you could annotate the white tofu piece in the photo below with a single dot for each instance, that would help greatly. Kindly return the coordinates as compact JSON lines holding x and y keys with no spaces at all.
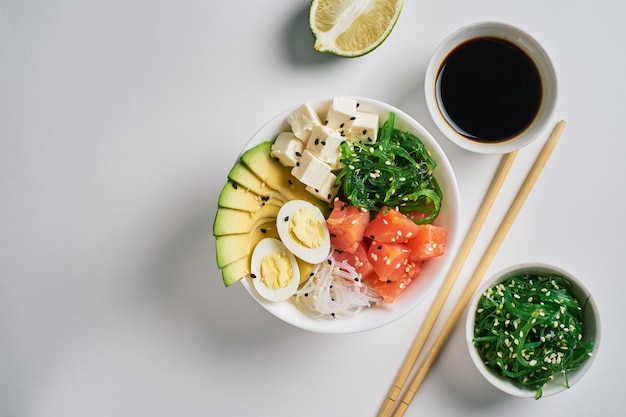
{"x":287,"y":148}
{"x":365,"y":128}
{"x":324,"y":143}
{"x":303,"y":120}
{"x":310,"y":170}
{"x":328,"y":190}
{"x":341,"y":114}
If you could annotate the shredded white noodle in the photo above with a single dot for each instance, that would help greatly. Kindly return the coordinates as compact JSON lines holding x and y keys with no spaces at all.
{"x":334,"y":290}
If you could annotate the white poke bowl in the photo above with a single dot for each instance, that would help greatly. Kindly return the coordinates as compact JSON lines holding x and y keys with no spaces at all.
{"x":433,"y":270}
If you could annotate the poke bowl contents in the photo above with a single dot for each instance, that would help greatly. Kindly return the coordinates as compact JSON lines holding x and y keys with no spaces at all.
{"x":339,"y":215}
{"x":533,"y":330}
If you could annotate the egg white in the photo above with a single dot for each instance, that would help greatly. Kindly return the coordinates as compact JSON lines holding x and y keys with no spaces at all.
{"x":310,"y":255}
{"x":266,"y":247}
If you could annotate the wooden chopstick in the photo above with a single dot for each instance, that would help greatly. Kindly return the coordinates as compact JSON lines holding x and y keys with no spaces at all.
{"x":446,"y":287}
{"x":482,"y":267}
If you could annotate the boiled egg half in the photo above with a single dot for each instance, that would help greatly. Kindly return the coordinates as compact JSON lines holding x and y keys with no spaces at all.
{"x":275,"y":272}
{"x":302,"y":228}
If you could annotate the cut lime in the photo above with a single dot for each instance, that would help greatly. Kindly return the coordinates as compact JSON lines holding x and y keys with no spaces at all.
{"x":352,"y":28}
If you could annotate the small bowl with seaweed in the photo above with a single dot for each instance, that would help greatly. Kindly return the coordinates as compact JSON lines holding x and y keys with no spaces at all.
{"x":533,"y":330}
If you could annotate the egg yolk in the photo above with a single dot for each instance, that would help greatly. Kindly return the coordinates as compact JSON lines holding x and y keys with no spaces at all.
{"x":276,"y":270}
{"x":306,"y":229}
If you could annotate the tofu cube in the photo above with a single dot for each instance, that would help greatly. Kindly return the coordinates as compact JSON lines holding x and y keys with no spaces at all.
{"x":341,"y":114}
{"x":324,"y":143}
{"x":310,"y":170}
{"x":287,"y":148}
{"x":365,"y":128}
{"x":302,"y":121}
{"x":328,"y":189}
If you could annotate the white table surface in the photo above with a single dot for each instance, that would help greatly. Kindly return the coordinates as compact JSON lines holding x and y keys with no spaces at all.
{"x":119,"y":121}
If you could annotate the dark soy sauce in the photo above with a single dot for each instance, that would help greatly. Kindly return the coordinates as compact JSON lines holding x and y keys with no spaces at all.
{"x":488,"y":89}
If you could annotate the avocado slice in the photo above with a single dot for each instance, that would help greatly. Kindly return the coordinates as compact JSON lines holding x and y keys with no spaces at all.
{"x":231,"y":221}
{"x":241,"y":175}
{"x":231,"y":248}
{"x":277,"y":176}
{"x":237,"y":270}
{"x":238,"y":197}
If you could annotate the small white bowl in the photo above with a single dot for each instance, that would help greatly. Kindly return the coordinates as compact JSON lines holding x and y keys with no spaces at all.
{"x":524,"y":42}
{"x":433,"y":271}
{"x":591,"y":323}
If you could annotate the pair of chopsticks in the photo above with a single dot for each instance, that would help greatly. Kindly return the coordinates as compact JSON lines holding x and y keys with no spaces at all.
{"x":472,"y":285}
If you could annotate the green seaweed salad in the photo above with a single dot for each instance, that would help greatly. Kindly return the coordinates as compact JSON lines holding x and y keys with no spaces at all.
{"x":530,"y":328}
{"x":396,"y":171}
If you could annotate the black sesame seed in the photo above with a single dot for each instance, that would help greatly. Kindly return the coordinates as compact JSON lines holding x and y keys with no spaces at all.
{"x":365,"y":131}
{"x":357,"y":105}
{"x":298,"y":154}
{"x":286,"y":218}
{"x":235,"y":185}
{"x":333,"y":235}
{"x":306,"y":294}
{"x":353,"y":117}
{"x":317,"y":141}
{"x":263,"y":230}
{"x":290,"y":183}
{"x":329,"y":262}
{"x":311,"y":274}
{"x":372,"y":237}
{"x":332,"y":314}
{"x":341,"y":126}
{"x":329,"y":196}
{"x":356,"y":279}
{"x":380,"y":247}
{"x":252,"y":276}
{"x":323,"y":143}
{"x":297,"y":164}
{"x":317,"y":191}
{"x":388,"y":281}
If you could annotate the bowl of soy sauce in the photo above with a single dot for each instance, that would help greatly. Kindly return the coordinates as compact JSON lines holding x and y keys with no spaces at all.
{"x":490,"y":88}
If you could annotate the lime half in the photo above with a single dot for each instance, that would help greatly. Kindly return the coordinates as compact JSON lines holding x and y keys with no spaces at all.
{"x":352,"y":28}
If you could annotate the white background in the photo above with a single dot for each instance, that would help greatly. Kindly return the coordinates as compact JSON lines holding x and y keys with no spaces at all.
{"x":119,"y":121}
